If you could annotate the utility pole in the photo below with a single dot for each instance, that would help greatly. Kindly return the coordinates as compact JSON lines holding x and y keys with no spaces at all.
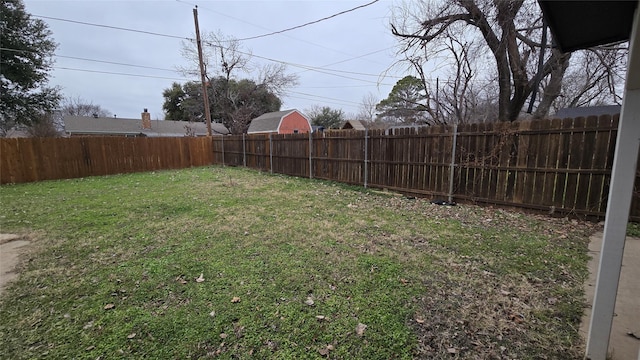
{"x":205,"y":95}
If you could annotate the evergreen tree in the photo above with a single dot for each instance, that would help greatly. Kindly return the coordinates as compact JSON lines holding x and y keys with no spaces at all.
{"x":405,"y":103}
{"x":27,"y":48}
{"x":327,"y":117}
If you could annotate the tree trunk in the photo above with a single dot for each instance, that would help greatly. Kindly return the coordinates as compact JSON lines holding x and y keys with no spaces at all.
{"x":552,"y":90}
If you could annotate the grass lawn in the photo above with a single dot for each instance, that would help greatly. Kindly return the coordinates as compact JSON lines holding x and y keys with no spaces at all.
{"x":232,"y":263}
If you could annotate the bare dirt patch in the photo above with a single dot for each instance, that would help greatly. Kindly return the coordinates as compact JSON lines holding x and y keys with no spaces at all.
{"x":11,"y":246}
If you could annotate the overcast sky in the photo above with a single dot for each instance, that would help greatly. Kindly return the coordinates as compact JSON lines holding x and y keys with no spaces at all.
{"x":359,"y":42}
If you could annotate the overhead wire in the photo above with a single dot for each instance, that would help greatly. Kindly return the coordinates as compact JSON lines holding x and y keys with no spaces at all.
{"x":118,"y":73}
{"x":324,"y":101}
{"x":306,"y":67}
{"x":115,"y":63}
{"x":262,"y":27}
{"x":173,"y":70}
{"x":310,"y":22}
{"x":96,"y":60}
{"x":324,"y":97}
{"x":332,"y":72}
{"x":114,"y":27}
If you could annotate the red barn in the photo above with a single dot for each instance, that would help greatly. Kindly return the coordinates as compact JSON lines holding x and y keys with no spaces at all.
{"x":280,"y":122}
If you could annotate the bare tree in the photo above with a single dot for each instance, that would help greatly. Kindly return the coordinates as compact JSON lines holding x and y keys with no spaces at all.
{"x":504,"y":28}
{"x":595,"y":79}
{"x":367,"y":108}
{"x":44,"y":126}
{"x":222,"y":56}
{"x":275,"y":79}
{"x":77,"y":106}
{"x":233,"y":97}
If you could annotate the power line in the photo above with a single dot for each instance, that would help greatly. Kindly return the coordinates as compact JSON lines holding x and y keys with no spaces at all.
{"x":115,"y":27}
{"x":358,"y":57}
{"x":115,"y":63}
{"x":309,"y":23}
{"x":324,"y":97}
{"x":118,"y":73}
{"x":332,"y":87}
{"x":325,"y":101}
{"x":262,"y":27}
{"x":95,"y":60}
{"x":306,"y":67}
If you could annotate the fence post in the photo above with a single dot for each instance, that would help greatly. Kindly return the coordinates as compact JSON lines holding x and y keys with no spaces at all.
{"x":366,"y":155}
{"x":223,"y":150}
{"x":271,"y":152}
{"x":310,"y":152}
{"x":244,"y":152}
{"x":453,"y":161}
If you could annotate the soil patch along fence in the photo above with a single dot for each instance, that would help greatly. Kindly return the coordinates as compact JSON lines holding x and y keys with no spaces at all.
{"x":559,"y":166}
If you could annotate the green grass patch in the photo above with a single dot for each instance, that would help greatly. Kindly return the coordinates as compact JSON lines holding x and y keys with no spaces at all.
{"x":233,"y":263}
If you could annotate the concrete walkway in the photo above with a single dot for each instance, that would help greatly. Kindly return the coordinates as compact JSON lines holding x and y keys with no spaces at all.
{"x":623,"y":345}
{"x":11,"y":246}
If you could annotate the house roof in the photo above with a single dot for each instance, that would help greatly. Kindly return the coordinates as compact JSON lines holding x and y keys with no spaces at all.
{"x":123,"y":126}
{"x":588,"y":111}
{"x":353,"y":124}
{"x":576,"y":25}
{"x":269,"y":122}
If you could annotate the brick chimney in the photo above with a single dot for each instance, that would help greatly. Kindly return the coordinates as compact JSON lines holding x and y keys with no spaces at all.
{"x":146,"y":120}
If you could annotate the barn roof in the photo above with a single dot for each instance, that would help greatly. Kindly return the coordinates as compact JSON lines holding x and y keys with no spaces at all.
{"x":268,"y":122}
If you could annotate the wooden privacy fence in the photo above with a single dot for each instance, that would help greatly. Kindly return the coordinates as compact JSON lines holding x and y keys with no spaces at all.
{"x":35,"y":159}
{"x":557,"y":166}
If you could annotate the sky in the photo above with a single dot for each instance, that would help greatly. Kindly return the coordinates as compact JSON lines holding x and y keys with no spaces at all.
{"x":352,"y":55}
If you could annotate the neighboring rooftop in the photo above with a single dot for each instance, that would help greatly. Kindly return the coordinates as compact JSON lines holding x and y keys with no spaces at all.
{"x":353,"y":125}
{"x":84,"y":125}
{"x":588,"y":111}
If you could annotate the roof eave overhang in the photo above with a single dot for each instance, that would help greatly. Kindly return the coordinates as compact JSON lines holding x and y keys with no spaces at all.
{"x":577,"y":25}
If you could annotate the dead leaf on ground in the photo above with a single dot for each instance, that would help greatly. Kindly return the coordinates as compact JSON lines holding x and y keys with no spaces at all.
{"x":360,"y":328}
{"x":109,"y":306}
{"x":223,"y":336}
{"x":131,"y":336}
{"x":320,"y":317}
{"x":404,"y":281}
{"x":420,"y":320}
{"x":309,"y":301}
{"x":323,"y":351}
{"x":235,"y":299}
{"x":517,"y":318}
{"x":200,"y":278}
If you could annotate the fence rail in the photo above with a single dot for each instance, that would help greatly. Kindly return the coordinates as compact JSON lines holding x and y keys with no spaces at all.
{"x":557,"y":166}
